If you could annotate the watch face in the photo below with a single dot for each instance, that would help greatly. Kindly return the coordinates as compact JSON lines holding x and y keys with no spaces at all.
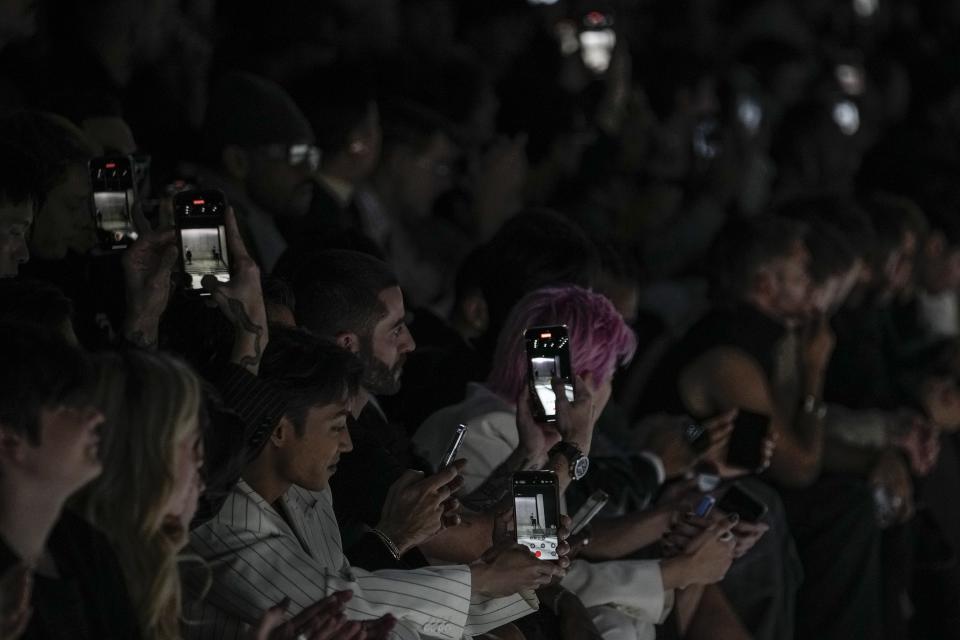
{"x":580,"y":467}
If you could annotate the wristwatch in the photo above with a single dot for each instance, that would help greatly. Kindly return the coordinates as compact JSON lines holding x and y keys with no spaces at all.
{"x":579,"y":463}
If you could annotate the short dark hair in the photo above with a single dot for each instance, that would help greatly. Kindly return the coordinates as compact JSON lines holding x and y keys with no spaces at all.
{"x":830,"y":253}
{"x":34,"y":302}
{"x":54,"y":142}
{"x":337,"y":291}
{"x":534,"y":249}
{"x":38,"y":370}
{"x":19,"y":175}
{"x":743,"y":246}
{"x":893,"y":217}
{"x":308,"y":371}
{"x":335,"y":100}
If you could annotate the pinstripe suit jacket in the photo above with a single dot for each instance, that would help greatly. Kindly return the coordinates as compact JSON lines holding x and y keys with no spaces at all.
{"x":256,"y":559}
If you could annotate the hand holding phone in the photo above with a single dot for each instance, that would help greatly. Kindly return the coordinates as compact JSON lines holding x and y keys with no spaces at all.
{"x":748,"y":441}
{"x":113,"y":187}
{"x":200,"y":216}
{"x":548,"y":356}
{"x":455,"y":441}
{"x":236,"y":292}
{"x":588,"y":511}
{"x":536,"y":503}
{"x":741,"y":501}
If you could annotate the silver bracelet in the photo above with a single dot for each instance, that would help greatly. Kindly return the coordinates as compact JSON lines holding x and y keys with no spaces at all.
{"x":391,"y":547}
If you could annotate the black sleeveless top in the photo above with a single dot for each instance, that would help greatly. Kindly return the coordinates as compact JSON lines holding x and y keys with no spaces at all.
{"x":742,"y":327}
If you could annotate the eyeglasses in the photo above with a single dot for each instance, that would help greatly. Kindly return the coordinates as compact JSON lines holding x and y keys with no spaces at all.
{"x":296,"y":155}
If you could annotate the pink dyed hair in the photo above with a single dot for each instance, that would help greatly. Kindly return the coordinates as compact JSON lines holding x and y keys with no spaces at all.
{"x":599,"y":338}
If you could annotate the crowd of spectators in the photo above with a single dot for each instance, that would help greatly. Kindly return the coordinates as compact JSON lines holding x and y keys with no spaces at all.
{"x":745,"y":213}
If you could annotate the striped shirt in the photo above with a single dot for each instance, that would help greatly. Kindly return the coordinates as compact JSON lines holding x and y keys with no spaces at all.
{"x":255,"y":559}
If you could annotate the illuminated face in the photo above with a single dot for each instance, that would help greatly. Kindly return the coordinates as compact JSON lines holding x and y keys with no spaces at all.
{"x":68,"y":453}
{"x":385,"y":350}
{"x":187,"y":484}
{"x":311,"y":459}
{"x":15,"y":221}
{"x":65,"y":223}
{"x":792,"y":277}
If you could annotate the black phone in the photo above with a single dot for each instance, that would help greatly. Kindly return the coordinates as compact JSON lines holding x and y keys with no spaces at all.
{"x":200,"y":217}
{"x":455,"y":441}
{"x":746,"y":442}
{"x":113,"y":185}
{"x":590,"y":508}
{"x":742,"y":502}
{"x":548,"y":355}
{"x":536,"y":508}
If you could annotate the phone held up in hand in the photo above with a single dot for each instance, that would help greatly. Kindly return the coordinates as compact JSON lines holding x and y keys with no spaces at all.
{"x":113,"y":186}
{"x":455,"y":441}
{"x":200,"y":217}
{"x":590,"y":508}
{"x":745,"y":450}
{"x":548,"y":355}
{"x":536,"y":505}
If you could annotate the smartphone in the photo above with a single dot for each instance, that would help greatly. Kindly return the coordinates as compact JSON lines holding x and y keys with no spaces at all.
{"x":597,"y":41}
{"x":705,"y":506}
{"x":200,"y":219}
{"x":746,"y":442}
{"x":741,"y":501}
{"x":590,"y":508}
{"x":454,"y":446}
{"x":113,"y":184}
{"x":548,"y":353}
{"x":536,"y":508}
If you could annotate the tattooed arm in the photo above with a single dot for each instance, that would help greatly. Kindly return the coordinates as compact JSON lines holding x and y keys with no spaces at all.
{"x":147,"y":265}
{"x":241,"y":301}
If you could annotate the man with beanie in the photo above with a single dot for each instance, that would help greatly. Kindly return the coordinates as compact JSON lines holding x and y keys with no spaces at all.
{"x":260,"y":151}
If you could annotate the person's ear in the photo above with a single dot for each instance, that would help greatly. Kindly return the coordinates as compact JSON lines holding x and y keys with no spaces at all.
{"x":475,"y":311}
{"x":11,"y":445}
{"x":283,"y":433}
{"x":235,"y":161}
{"x":349,"y":341}
{"x":936,"y":244}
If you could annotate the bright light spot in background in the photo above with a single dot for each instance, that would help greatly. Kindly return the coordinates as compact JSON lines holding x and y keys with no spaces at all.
{"x":865,"y":8}
{"x":850,"y":79}
{"x":596,"y":48}
{"x":749,"y":113}
{"x":566,"y":32}
{"x":847,"y":116}
{"x":543,"y":2}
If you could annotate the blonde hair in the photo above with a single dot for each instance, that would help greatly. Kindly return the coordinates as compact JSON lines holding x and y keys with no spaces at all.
{"x":151,"y":402}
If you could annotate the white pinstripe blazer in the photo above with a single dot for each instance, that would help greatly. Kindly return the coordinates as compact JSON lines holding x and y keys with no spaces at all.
{"x":256,"y":559}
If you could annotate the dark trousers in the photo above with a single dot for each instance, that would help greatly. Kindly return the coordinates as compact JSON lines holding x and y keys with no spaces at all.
{"x":762,"y":585}
{"x":835,"y":530}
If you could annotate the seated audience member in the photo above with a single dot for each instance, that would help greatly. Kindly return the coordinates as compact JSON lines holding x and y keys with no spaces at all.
{"x":51,"y":440}
{"x":489,"y":283}
{"x":260,"y":152}
{"x":415,"y":169}
{"x":277,"y":535}
{"x":347,"y":124}
{"x":147,"y":495}
{"x":19,"y":197}
{"x":63,"y":233}
{"x":503,"y":438}
{"x":63,"y":224}
{"x":757,"y":351}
